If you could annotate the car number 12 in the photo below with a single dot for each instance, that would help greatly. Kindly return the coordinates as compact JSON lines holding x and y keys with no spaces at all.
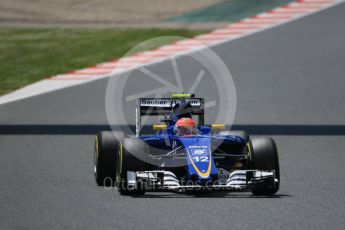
{"x":200,"y":158}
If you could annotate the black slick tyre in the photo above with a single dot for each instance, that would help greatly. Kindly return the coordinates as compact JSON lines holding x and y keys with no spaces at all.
{"x":132,"y":156}
{"x":263,"y":155}
{"x":106,"y":147}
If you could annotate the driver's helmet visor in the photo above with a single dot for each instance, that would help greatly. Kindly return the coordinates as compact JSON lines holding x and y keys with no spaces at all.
{"x":186,"y":130}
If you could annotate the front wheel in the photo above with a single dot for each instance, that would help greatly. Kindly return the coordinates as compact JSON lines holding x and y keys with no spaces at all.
{"x":131,"y":157}
{"x":106,"y":147}
{"x":263,"y":155}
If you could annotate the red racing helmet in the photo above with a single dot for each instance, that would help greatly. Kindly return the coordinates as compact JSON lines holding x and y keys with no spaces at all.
{"x":185,"y":122}
{"x":185,"y":127}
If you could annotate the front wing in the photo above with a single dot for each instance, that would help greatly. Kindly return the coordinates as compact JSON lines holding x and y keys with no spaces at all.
{"x":239,"y":180}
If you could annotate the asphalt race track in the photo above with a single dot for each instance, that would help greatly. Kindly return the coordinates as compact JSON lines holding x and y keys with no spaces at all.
{"x":290,"y":84}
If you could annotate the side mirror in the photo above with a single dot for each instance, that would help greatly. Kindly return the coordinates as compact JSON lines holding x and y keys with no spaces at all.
{"x":159,"y":127}
{"x":217,"y":127}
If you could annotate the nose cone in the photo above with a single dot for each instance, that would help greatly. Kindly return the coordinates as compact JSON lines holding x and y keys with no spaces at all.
{"x":199,"y":159}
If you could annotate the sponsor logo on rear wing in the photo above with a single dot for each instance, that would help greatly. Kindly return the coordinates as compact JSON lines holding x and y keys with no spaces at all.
{"x":162,"y":106}
{"x":168,"y":102}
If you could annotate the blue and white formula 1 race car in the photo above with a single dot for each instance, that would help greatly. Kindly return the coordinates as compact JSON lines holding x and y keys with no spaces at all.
{"x":182,"y":156}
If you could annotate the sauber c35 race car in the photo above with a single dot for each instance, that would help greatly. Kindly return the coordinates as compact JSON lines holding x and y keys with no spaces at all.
{"x":184,"y":156}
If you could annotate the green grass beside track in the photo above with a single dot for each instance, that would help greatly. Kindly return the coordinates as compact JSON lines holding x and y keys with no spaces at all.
{"x":29,"y":55}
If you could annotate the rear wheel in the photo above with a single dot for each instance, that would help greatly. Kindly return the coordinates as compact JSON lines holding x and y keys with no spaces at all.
{"x":106,"y":147}
{"x":132,"y":156}
{"x":263,"y":155}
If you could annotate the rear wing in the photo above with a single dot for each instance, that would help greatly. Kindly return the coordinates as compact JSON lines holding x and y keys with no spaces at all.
{"x":164,"y":107}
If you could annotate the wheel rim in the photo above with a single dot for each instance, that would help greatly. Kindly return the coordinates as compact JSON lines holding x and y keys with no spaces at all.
{"x":119,"y":163}
{"x":95,"y":160}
